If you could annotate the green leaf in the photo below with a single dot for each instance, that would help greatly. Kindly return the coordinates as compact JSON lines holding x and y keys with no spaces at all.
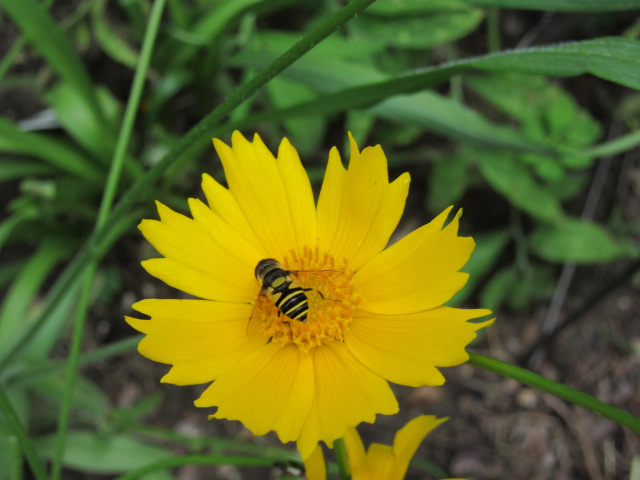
{"x":306,"y":133}
{"x":15,"y":219}
{"x":106,"y":454}
{"x":573,"y":240}
{"x":21,"y":293}
{"x":393,"y":8}
{"x":49,"y":150}
{"x":89,"y":403}
{"x":13,"y":168}
{"x":39,"y":27}
{"x":489,"y":248}
{"x":448,"y":180}
{"x":109,"y":39}
{"x":10,"y":457}
{"x":498,"y":289}
{"x":511,"y":178}
{"x":562,"y":5}
{"x":79,"y":121}
{"x":419,"y":32}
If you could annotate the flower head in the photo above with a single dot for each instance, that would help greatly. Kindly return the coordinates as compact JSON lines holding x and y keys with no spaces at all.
{"x":380,"y":462}
{"x":373,"y":315}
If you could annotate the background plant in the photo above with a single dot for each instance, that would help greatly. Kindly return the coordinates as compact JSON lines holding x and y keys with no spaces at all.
{"x":536,"y":144}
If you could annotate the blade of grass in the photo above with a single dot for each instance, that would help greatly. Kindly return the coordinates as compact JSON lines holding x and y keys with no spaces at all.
{"x":558,"y":389}
{"x":196,"y":138}
{"x":12,"y":421}
{"x":44,"y":34}
{"x":107,"y":200}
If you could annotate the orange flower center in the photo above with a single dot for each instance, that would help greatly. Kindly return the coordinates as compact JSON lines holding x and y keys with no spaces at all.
{"x":331,"y":302}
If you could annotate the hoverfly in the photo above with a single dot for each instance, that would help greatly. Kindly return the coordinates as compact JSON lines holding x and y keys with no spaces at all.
{"x":283,"y":290}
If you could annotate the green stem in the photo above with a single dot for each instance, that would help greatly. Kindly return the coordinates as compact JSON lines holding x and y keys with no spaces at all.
{"x":105,"y":206}
{"x":558,"y":389}
{"x":342,"y":459}
{"x":13,"y":422}
{"x":94,"y":247}
{"x":198,"y":460}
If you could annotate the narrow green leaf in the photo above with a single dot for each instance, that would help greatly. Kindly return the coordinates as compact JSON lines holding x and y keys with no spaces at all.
{"x":109,"y":39}
{"x":39,"y":27}
{"x":13,"y":168}
{"x":10,"y":458}
{"x":573,"y":240}
{"x":51,"y":151}
{"x":393,"y":8}
{"x":27,"y":283}
{"x":15,"y":219}
{"x":511,"y":178}
{"x":106,"y":454}
{"x":498,"y":288}
{"x":592,"y":6}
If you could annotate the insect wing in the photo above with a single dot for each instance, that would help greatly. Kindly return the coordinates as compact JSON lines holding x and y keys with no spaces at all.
{"x":254,"y":325}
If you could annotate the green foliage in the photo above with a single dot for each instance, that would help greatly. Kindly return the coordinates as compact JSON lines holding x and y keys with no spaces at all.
{"x":406,"y":73}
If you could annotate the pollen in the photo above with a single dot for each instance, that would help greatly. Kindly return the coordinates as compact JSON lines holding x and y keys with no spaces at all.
{"x":332,"y":302}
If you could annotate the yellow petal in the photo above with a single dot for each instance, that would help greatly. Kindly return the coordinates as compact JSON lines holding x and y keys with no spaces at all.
{"x":355,"y":449}
{"x":270,"y":390}
{"x":330,"y":200}
{"x":254,"y":180}
{"x":380,"y":464}
{"x":197,"y":262}
{"x":418,"y":272}
{"x":314,"y":466}
{"x":201,"y":339}
{"x":346,"y":393}
{"x":356,"y":216}
{"x":222,"y":202}
{"x":406,"y":349}
{"x":299,"y":195}
{"x":408,"y":439}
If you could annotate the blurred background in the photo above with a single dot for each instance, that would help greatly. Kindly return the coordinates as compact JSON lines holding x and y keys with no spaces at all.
{"x":545,"y":168}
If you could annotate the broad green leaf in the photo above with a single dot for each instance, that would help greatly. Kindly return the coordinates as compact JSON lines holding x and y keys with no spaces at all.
{"x":489,"y":248}
{"x":448,"y":180}
{"x":562,"y":5}
{"x":419,"y":32}
{"x":105,"y":454}
{"x":573,"y":240}
{"x":51,"y":151}
{"x":536,"y":285}
{"x":393,"y":8}
{"x":499,"y":288}
{"x":89,"y":403}
{"x":38,"y":26}
{"x":512,"y":179}
{"x":615,"y":59}
{"x":306,"y":133}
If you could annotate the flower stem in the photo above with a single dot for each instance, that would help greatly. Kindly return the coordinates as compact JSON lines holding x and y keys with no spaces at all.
{"x":342,"y":459}
{"x":558,"y":389}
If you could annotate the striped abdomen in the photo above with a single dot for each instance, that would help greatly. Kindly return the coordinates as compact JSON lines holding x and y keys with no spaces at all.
{"x":289,"y":298}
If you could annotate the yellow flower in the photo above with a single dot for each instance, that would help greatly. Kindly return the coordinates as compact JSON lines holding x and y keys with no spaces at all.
{"x":375,"y":315}
{"x":380,"y":462}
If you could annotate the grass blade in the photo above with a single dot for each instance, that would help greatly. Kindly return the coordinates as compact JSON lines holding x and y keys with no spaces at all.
{"x":592,"y":6}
